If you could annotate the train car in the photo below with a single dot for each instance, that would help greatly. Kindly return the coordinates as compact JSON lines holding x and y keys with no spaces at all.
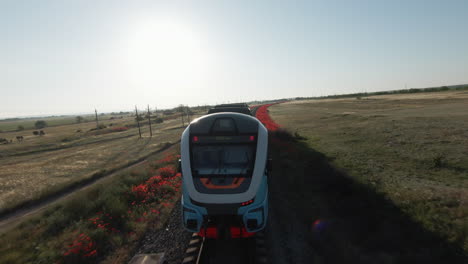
{"x":232,"y":105}
{"x":225,"y":167}
{"x":242,"y":110}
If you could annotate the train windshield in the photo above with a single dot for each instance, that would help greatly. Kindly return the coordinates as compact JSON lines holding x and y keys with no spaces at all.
{"x":225,"y":160}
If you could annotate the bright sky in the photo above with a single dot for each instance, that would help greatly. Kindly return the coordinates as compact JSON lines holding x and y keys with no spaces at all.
{"x":63,"y":57}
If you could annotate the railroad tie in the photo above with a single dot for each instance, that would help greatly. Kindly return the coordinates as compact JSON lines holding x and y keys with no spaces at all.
{"x":192,"y":252}
{"x":260,"y":249}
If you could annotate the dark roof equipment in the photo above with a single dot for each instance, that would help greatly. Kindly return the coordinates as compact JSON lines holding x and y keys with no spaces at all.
{"x":242,"y":110}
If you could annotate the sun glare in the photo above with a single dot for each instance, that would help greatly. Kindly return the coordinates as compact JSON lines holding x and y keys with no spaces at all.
{"x":167,"y":54}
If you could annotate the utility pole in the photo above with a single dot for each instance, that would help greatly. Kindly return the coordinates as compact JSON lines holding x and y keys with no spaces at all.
{"x":149,"y":122}
{"x":188,"y":115}
{"x":138,"y":120}
{"x":181,"y":109}
{"x":97,"y":121}
{"x":182,"y":115}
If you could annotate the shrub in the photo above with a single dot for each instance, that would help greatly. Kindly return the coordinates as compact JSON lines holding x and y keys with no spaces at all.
{"x":167,"y":171}
{"x":438,"y":161}
{"x":40,"y":124}
{"x":20,"y":128}
{"x":81,"y":250}
{"x":158,"y":120}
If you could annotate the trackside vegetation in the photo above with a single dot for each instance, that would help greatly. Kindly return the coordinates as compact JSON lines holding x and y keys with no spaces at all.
{"x":99,"y":224}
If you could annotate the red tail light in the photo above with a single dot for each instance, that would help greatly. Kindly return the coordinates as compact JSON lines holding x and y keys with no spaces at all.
{"x":240,"y":232}
{"x":210,"y":232}
{"x":247,"y":203}
{"x":195,"y":139}
{"x":252,"y":138}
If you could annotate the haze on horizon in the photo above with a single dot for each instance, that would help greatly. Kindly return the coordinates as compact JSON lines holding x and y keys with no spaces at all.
{"x":65,"y":57}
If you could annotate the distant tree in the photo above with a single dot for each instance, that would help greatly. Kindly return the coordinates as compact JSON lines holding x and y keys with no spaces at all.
{"x":40,"y":124}
{"x":20,"y":128}
{"x":79,"y":119}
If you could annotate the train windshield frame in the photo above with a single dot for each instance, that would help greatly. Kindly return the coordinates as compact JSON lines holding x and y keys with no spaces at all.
{"x":223,"y":160}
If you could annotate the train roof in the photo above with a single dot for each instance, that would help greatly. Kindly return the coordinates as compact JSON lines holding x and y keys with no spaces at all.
{"x":207,"y":124}
{"x":231,"y":105}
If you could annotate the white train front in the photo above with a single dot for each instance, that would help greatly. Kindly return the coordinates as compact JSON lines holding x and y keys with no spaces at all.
{"x":224,"y":165}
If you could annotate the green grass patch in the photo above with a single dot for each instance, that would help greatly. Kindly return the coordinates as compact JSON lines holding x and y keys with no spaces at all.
{"x":354,"y":222}
{"x":410,"y":150}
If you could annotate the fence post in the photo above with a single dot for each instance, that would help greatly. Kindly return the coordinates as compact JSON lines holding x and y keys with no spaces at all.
{"x":138,"y":120}
{"x":149,"y":122}
{"x":97,"y":121}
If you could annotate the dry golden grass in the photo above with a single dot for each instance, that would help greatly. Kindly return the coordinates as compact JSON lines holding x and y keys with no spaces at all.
{"x":43,"y":164}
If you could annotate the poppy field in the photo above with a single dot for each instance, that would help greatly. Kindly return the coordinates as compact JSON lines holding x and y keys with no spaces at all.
{"x":264,"y":117}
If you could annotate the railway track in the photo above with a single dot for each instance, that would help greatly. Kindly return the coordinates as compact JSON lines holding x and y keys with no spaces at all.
{"x":254,"y":110}
{"x":231,"y":251}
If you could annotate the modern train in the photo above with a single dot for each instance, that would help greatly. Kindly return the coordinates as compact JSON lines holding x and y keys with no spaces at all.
{"x":225,"y":168}
{"x":242,"y":110}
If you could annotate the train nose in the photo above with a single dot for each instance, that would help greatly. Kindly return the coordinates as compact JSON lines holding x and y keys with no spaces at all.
{"x":254,"y":219}
{"x":192,"y":219}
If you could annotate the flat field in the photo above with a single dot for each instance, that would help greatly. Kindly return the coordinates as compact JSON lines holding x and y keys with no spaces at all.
{"x":11,"y":125}
{"x":66,"y":154}
{"x":412,"y":148}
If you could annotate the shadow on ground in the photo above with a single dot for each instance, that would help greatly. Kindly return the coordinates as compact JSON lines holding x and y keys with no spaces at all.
{"x":320,"y":215}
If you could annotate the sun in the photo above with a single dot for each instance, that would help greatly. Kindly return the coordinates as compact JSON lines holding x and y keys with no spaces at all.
{"x":166,"y":54}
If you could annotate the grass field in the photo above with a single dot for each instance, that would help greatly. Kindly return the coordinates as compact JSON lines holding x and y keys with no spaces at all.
{"x":11,"y":125}
{"x":40,"y":165}
{"x":102,"y":223}
{"x":412,"y":149}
